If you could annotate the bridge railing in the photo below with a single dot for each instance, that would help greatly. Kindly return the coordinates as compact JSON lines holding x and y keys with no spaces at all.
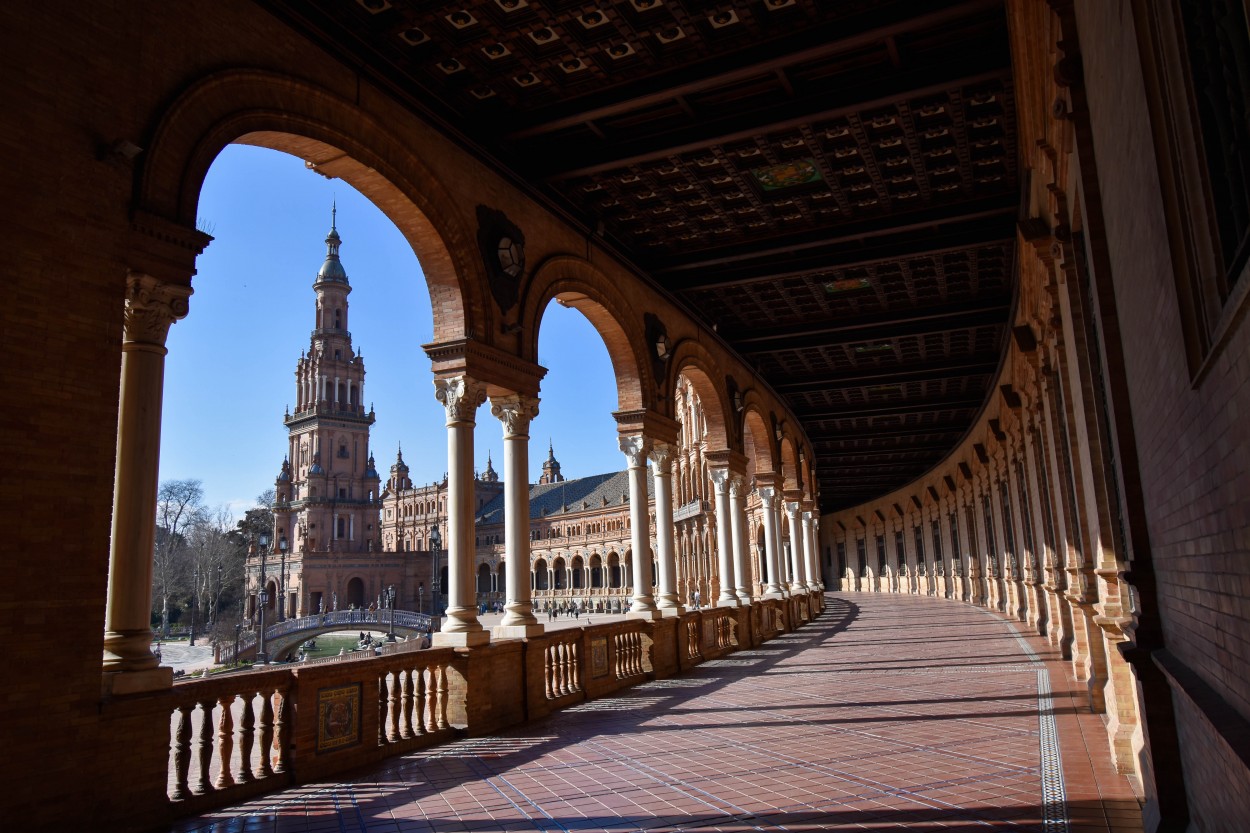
{"x":349,"y":619}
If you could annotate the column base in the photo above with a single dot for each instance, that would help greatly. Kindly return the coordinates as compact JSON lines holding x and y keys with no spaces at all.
{"x":672,"y":612}
{"x":728,"y":602}
{"x":117,"y":683}
{"x":461,"y":639}
{"x":773,"y":594}
{"x":744,"y":599}
{"x":517,"y":631}
{"x":645,"y":615}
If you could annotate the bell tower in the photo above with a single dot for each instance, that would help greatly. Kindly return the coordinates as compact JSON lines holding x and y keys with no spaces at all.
{"x":330,"y":477}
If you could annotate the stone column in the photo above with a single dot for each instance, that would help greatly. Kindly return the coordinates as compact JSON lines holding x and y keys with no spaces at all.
{"x":724,"y":539}
{"x":798,"y":575}
{"x":151,"y":307}
{"x":635,"y":449}
{"x":516,"y":412}
{"x":813,"y":554}
{"x":783,"y":560}
{"x":741,"y":543}
{"x":460,"y":396}
{"x":768,"y":496}
{"x":669,"y":603}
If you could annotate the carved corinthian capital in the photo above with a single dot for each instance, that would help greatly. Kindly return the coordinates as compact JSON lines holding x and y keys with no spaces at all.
{"x":737,"y":485}
{"x":151,"y":306}
{"x":662,"y":457}
{"x":461,"y":396}
{"x":635,"y":449}
{"x":515,"y":412}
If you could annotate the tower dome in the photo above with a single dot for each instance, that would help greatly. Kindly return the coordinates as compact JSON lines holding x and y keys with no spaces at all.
{"x":332,"y":269}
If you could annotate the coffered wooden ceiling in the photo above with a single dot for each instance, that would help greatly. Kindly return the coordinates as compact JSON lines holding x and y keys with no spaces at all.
{"x":831,"y":185}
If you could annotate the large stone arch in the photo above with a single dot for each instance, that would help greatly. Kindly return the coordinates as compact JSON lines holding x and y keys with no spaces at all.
{"x":338,"y":140}
{"x":692,"y":360}
{"x":577,"y":284}
{"x":762,"y":448}
{"x":790,"y":463}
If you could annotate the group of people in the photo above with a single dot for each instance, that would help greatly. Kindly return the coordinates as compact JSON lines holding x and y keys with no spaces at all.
{"x":566,"y":610}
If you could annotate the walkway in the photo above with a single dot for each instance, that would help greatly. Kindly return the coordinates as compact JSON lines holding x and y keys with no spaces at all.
{"x":888,"y":711}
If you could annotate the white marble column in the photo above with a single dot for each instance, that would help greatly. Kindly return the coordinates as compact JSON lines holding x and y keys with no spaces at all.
{"x":772,"y":587}
{"x":741,"y":543}
{"x":635,"y":449}
{"x":813,"y":553}
{"x":669,"y":603}
{"x":151,"y":307}
{"x":783,"y":558}
{"x":461,"y":397}
{"x":724,"y":539}
{"x":516,"y":412}
{"x":798,"y":582}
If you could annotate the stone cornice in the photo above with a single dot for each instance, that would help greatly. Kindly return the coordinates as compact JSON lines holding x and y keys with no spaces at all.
{"x":501,"y":372}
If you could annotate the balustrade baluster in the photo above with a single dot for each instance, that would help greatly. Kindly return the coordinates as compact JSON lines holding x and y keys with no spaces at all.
{"x":442,"y":698}
{"x":225,"y":741}
{"x":549,"y":671}
{"x":383,"y":691}
{"x":396,"y":694}
{"x":247,"y":737}
{"x":281,"y":743}
{"x":575,"y":666}
{"x":265,"y":769}
{"x":203,"y":783}
{"x":423,"y":702}
{"x":406,"y":728}
{"x":562,"y":656}
{"x":182,"y":753}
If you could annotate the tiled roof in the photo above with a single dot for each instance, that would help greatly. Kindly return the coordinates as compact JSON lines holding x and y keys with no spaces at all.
{"x":552,"y":498}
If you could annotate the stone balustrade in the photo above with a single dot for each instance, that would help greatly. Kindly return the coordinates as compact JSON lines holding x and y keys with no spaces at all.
{"x":238,"y":735}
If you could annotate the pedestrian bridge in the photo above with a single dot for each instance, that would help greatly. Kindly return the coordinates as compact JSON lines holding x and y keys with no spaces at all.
{"x":284,"y":637}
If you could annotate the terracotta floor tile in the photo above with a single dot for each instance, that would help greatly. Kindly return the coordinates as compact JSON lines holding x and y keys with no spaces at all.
{"x":885,"y":712}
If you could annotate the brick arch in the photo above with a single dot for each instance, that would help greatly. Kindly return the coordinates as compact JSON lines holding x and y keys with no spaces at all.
{"x":790,"y":462}
{"x":340,"y":140}
{"x":691,"y":360}
{"x":581,"y":286}
{"x":755,"y":424}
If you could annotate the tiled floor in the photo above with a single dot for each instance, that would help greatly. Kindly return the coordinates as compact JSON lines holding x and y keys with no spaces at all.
{"x":887,"y":712}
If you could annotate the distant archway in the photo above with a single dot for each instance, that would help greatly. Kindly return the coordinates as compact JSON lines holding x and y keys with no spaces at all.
{"x":356,"y":592}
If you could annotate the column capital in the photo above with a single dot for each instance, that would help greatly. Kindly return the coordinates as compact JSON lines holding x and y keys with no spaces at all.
{"x":766,"y":493}
{"x":792,"y":509}
{"x":152,"y":305}
{"x":737,"y":485}
{"x":515,"y":411}
{"x":635,"y":447}
{"x":719,"y":477}
{"x":461,"y":396}
{"x":662,"y":455}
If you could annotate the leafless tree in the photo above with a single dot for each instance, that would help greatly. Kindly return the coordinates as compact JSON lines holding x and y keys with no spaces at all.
{"x":217,"y":555}
{"x":179,"y":506}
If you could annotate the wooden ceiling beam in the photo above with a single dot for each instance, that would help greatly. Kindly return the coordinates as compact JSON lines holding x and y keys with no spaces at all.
{"x":737,"y":126}
{"x":691,"y":80}
{"x":911,"y":406}
{"x":992,"y":217}
{"x":893,"y":375}
{"x":980,"y":313}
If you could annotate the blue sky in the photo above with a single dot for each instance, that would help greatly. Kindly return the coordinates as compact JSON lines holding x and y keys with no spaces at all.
{"x":230,"y":370}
